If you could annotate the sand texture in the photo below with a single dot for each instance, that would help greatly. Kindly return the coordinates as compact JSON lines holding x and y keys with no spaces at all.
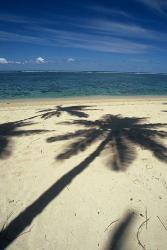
{"x":76,"y":179}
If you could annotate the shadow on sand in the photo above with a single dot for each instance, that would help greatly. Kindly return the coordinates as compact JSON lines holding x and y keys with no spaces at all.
{"x":9,"y":130}
{"x":113,"y":132}
{"x":122,"y":135}
{"x":165,"y":103}
{"x":57,"y":111}
{"x":119,"y":238}
{"x":78,"y":111}
{"x":120,"y":235}
{"x":25,"y":218}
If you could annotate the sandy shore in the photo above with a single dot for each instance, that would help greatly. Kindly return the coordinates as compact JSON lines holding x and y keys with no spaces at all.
{"x":86,"y":211}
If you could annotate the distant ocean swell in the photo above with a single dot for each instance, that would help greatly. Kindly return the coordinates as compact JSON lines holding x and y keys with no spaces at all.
{"x":31,"y":84}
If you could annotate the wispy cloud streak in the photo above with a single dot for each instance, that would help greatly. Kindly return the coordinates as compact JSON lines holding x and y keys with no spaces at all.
{"x":99,"y":34}
{"x":16,"y":37}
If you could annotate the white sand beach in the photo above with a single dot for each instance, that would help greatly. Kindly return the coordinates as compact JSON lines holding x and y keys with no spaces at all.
{"x":84,"y":209}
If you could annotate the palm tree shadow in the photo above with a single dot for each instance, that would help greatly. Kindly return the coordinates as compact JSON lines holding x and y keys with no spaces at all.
{"x":78,"y":111}
{"x":9,"y":130}
{"x":108,"y":129}
{"x":25,"y":218}
{"x":123,"y":134}
{"x":119,"y":238}
{"x":57,"y":111}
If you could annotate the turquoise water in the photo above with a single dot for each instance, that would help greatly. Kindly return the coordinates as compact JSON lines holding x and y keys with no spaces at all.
{"x":14,"y":85}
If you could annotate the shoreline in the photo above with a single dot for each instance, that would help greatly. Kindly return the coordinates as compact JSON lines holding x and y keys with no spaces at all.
{"x":79,"y":99}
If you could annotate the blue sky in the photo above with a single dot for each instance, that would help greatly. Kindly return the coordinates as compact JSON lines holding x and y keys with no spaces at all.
{"x":114,"y":35}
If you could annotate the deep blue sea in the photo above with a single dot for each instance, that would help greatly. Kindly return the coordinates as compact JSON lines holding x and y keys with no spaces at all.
{"x":28,"y":84}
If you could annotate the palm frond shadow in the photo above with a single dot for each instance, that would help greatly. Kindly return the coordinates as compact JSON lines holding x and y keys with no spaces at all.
{"x":12,"y":129}
{"x":119,"y":237}
{"x":122,"y":135}
{"x":78,"y":111}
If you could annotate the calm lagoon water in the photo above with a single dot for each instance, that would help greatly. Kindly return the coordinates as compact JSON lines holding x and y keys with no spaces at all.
{"x":14,"y":85}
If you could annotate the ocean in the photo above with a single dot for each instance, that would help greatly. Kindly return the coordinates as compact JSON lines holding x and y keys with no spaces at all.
{"x":42,"y":84}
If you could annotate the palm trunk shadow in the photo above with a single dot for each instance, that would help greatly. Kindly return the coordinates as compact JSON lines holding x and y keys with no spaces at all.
{"x":25,"y":218}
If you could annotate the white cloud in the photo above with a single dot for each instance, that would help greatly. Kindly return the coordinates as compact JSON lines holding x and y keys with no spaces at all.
{"x":40,"y":60}
{"x":70,"y":59}
{"x":15,"y":62}
{"x":3,"y":60}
